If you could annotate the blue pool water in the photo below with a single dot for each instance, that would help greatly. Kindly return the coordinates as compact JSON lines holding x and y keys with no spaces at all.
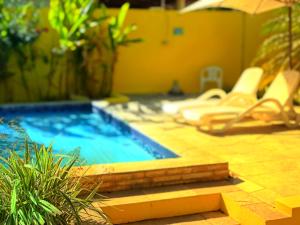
{"x":83,"y":130}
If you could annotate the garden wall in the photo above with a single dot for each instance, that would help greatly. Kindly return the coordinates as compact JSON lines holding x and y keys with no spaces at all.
{"x":175,"y":47}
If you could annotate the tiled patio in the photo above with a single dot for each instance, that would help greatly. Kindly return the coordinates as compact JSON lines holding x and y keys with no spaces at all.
{"x":267,"y":156}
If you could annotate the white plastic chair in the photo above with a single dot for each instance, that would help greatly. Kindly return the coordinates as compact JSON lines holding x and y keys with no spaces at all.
{"x":211,"y":74}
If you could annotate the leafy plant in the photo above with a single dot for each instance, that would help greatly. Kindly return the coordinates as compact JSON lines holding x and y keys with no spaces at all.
{"x":39,"y":3}
{"x":72,"y":19}
{"x":118,"y":36}
{"x":273,"y":53}
{"x":85,"y":28}
{"x":39,"y":188}
{"x":18,"y":31}
{"x":114,"y":35}
{"x":118,"y":32}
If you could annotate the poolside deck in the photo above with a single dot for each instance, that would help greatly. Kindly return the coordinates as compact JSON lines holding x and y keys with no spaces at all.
{"x":266,"y":156}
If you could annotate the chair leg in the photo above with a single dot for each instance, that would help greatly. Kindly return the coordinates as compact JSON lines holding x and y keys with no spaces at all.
{"x":287,"y":119}
{"x":298,"y":119}
{"x":220,"y":84}
{"x":202,"y":86}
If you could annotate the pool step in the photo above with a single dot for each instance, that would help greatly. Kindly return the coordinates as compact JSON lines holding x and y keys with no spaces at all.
{"x":210,"y":218}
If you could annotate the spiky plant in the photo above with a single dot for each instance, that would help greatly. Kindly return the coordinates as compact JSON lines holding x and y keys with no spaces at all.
{"x":38,"y":189}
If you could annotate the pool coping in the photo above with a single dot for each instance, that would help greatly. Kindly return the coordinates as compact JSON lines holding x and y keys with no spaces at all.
{"x":126,"y":176}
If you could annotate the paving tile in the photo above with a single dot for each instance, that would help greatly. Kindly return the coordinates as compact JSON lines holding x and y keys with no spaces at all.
{"x":266,"y":211}
{"x":242,"y":197}
{"x":266,"y":195}
{"x":249,"y":186}
{"x":266,"y":155}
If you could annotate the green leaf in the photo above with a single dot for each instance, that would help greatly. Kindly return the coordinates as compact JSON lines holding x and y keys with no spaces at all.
{"x":13,"y":200}
{"x":122,"y":14}
{"x":3,"y":33}
{"x":50,"y":207}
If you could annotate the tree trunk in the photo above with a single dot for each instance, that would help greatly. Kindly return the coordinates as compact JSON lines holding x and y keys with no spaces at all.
{"x":290,"y":33}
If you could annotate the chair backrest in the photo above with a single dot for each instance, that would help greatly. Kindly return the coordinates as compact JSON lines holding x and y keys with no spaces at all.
{"x":249,"y":81}
{"x":284,"y":87}
{"x":212,"y":73}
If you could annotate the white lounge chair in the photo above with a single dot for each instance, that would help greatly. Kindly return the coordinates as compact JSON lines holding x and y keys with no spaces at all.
{"x":276,"y":105}
{"x":247,"y":85}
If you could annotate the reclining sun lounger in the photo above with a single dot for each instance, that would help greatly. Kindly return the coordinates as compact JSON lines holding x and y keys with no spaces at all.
{"x":276,"y":105}
{"x":246,"y":85}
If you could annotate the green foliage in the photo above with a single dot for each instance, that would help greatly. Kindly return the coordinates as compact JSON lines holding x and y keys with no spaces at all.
{"x":38,"y":188}
{"x":83,"y":62}
{"x":273,"y":53}
{"x":118,"y":32}
{"x":118,"y":35}
{"x":37,"y":3}
{"x":72,"y":19}
{"x":18,"y":31}
{"x":85,"y":27}
{"x":18,"y":25}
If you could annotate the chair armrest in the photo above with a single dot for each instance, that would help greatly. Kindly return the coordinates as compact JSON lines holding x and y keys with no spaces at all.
{"x":213,"y":93}
{"x":239,"y":100}
{"x":270,"y":100}
{"x":275,"y":102}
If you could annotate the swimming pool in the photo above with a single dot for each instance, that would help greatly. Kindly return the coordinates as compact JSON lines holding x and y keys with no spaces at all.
{"x":83,"y":129}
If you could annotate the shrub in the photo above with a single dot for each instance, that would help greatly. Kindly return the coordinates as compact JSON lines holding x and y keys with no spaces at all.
{"x":38,"y":188}
{"x":18,"y":33}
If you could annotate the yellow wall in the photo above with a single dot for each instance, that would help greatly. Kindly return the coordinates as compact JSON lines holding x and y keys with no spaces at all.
{"x":225,"y":38}
{"x":210,"y":38}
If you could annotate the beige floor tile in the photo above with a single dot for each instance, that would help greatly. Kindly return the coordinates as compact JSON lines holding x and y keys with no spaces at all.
{"x":266,"y":155}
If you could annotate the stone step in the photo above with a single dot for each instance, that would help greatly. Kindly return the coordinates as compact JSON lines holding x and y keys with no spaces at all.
{"x":164,"y":202}
{"x":248,"y":210}
{"x":209,"y":218}
{"x":192,"y":201}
